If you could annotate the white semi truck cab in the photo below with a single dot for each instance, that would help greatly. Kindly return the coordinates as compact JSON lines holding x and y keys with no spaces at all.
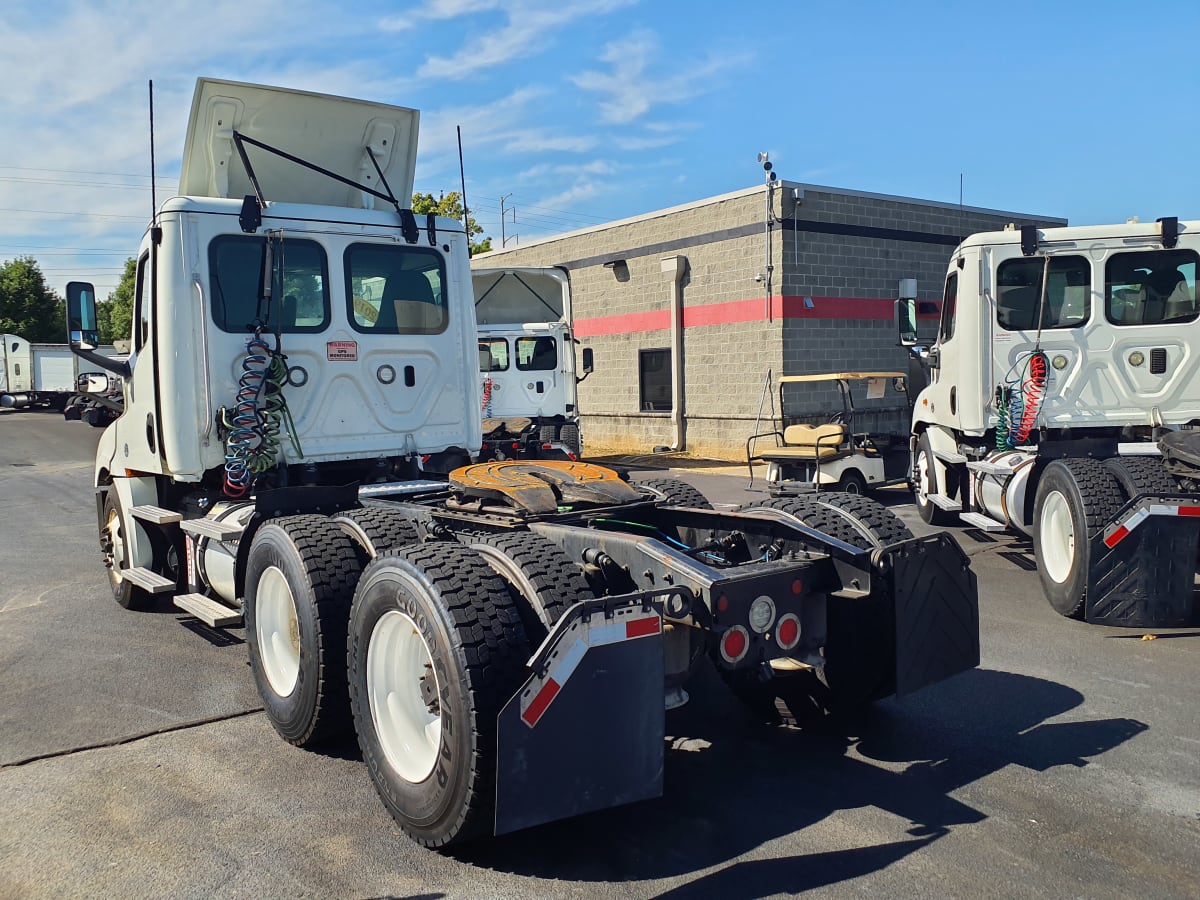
{"x":302,"y":401}
{"x":1062,"y":401}
{"x":527,"y":364}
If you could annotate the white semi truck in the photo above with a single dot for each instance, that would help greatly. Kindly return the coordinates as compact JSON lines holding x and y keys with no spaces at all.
{"x":527,"y":364}
{"x":34,"y":375}
{"x":301,"y":403}
{"x":1062,"y":401}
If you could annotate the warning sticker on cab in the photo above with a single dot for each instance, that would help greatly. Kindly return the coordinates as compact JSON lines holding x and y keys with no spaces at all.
{"x":341,"y":351}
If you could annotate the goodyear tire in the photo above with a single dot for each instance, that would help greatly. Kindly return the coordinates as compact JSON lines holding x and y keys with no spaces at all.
{"x":674,"y":492}
{"x":927,"y":483}
{"x":436,"y":650}
{"x":376,"y":529}
{"x":1075,"y":498}
{"x":116,"y":556}
{"x":542,"y":579}
{"x":300,"y":578}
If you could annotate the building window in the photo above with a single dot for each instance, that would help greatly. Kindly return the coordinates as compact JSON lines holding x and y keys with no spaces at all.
{"x":654,"y":380}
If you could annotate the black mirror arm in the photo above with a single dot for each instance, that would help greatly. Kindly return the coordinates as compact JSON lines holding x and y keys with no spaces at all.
{"x":107,"y":363}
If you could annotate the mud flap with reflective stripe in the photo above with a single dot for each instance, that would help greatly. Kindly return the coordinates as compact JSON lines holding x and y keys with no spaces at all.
{"x":937,"y":611}
{"x":1143,"y":566}
{"x":586,"y":730}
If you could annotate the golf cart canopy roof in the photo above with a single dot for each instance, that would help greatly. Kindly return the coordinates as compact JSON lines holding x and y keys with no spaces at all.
{"x":840,"y":376}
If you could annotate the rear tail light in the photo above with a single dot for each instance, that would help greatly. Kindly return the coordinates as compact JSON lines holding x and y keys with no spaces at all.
{"x":787,"y":632}
{"x":735,"y":642}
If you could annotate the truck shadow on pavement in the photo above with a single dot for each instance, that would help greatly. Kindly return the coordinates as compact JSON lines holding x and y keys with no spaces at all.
{"x":732,"y":785}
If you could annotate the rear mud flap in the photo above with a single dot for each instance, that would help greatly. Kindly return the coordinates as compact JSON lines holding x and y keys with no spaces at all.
{"x":937,"y":611}
{"x":1146,"y":580}
{"x":585,"y":732}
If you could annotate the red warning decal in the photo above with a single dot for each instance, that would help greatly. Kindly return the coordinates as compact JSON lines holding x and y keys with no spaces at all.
{"x":341,"y":351}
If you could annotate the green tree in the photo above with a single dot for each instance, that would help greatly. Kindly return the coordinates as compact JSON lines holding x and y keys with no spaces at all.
{"x":116,"y":314}
{"x":450,"y":206}
{"x":27,"y":306}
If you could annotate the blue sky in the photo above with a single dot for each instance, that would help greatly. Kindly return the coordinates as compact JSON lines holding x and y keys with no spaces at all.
{"x":585,"y":111}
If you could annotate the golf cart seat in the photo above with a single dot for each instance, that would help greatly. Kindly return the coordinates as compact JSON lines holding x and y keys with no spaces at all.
{"x":808,"y":442}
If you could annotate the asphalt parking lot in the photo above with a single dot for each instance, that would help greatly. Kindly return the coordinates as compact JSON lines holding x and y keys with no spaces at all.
{"x":135,"y":759}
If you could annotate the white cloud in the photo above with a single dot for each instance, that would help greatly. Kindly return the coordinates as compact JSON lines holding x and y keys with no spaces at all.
{"x":632,"y":86}
{"x":531,"y":25}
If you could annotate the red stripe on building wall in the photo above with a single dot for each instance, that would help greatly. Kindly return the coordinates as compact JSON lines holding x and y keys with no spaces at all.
{"x":841,"y":308}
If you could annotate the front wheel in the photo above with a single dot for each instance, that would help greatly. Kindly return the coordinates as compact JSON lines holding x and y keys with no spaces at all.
{"x":927,"y":483}
{"x":852,"y":482}
{"x":114,"y":544}
{"x":1075,"y":498}
{"x":436,"y":650}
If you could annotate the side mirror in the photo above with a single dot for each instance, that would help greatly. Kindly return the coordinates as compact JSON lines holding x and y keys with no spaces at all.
{"x":906,"y":320}
{"x":83,"y":329}
{"x":589,"y":364}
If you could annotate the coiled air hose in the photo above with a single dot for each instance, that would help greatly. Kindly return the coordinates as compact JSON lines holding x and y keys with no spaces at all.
{"x":259,"y":413}
{"x":1019,"y":401}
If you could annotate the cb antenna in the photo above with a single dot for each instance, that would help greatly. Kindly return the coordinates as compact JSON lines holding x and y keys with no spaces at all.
{"x":153,"y":194}
{"x":462,"y":174}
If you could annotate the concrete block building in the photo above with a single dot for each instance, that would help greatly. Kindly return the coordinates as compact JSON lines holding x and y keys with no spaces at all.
{"x":690,"y":310}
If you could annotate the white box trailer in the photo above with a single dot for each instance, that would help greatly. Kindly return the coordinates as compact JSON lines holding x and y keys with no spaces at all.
{"x":40,"y":374}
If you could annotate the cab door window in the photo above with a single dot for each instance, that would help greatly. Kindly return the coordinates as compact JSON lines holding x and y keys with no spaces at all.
{"x":949,"y":309}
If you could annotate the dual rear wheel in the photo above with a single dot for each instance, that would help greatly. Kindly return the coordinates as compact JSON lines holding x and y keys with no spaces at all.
{"x":419,"y":651}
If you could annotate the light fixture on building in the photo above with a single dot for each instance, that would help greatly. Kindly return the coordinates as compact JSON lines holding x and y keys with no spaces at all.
{"x":619,"y":268}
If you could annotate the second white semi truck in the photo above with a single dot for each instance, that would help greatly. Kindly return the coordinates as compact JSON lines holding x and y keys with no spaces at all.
{"x":1061,"y":400}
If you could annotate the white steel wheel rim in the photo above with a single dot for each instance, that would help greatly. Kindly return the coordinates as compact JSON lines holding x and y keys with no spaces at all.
{"x":278,"y":629}
{"x":409,"y":732}
{"x":923,"y":478}
{"x":116,"y":542}
{"x":1057,"y":532}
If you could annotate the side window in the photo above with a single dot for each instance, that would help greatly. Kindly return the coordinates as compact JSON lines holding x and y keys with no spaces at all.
{"x":949,"y":308}
{"x":1019,"y":292}
{"x":299,"y":296}
{"x":395,"y":290}
{"x":141,"y":303}
{"x":654,"y":380}
{"x":493,"y":355}
{"x":537,"y":354}
{"x":1150,"y":288}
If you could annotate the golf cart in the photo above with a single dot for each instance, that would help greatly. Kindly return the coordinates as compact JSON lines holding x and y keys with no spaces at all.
{"x":833,"y":453}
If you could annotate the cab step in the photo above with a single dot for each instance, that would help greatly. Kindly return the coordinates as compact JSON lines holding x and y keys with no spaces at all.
{"x":155,"y":514}
{"x":989,"y":468}
{"x":211,"y":528}
{"x":208,"y":610}
{"x":950,"y":457}
{"x":941,"y":501}
{"x":982,"y":522}
{"x":147,"y":580}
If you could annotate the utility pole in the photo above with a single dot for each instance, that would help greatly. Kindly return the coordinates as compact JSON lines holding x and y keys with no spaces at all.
{"x":503,"y":216}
